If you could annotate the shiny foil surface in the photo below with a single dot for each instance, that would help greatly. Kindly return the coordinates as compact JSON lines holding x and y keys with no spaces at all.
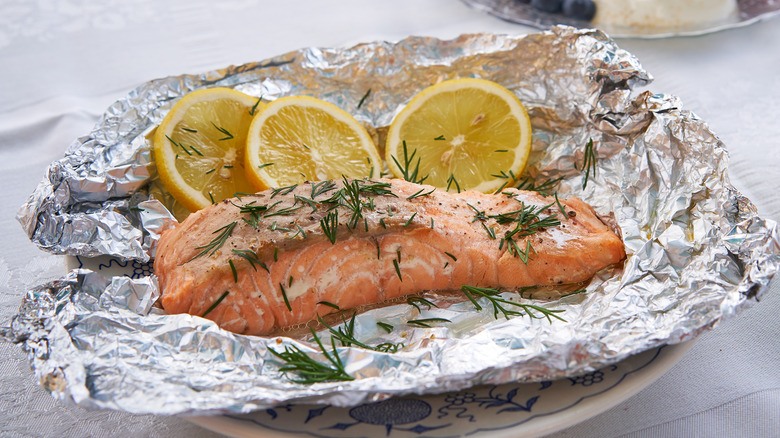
{"x":697,"y":250}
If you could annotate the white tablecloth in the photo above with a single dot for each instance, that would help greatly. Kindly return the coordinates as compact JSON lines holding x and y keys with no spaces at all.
{"x":63,"y":63}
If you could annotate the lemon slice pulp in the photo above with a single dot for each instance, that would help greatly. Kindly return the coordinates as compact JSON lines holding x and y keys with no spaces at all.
{"x":461,"y":134}
{"x":199,"y":146}
{"x":300,"y":138}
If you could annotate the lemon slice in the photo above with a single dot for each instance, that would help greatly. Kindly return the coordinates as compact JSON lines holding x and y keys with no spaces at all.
{"x":199,"y":146}
{"x":461,"y":134}
{"x":300,"y":138}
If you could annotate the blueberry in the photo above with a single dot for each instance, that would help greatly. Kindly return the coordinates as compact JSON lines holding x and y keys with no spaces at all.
{"x":579,"y":9}
{"x":551,"y":6}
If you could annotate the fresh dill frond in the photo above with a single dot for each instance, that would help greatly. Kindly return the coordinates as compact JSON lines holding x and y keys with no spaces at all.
{"x":212,"y":247}
{"x":310,"y":371}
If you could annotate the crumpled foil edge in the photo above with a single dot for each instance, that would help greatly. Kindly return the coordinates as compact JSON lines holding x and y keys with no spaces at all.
{"x":698,"y":251}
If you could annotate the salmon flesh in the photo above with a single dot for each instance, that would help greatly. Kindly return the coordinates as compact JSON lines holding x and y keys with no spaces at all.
{"x":280,"y":257}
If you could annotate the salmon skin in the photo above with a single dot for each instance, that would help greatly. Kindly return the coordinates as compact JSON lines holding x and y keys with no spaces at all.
{"x":278,"y":258}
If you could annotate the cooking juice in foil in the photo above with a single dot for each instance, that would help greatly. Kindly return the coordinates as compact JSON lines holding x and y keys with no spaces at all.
{"x":697,"y":250}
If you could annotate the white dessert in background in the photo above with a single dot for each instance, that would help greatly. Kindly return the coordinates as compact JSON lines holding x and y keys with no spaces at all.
{"x":662,"y":13}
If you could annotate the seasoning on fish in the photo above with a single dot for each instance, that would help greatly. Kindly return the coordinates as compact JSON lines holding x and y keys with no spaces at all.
{"x":283,"y":256}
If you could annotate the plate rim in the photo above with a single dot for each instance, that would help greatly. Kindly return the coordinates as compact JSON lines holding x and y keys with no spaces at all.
{"x":667,"y":356}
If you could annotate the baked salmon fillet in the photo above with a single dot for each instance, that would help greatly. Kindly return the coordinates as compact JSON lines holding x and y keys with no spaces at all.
{"x":280,"y":257}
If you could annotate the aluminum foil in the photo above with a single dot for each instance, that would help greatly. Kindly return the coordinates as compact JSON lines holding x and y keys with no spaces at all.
{"x":697,"y":250}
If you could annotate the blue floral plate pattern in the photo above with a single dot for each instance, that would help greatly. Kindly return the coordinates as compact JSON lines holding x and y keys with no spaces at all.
{"x":509,"y":410}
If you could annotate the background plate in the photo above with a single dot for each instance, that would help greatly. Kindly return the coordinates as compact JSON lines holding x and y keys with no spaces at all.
{"x":750,"y":11}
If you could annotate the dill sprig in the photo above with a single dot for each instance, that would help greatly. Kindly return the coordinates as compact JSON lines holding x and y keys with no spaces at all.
{"x":409,"y":172}
{"x":284,"y":296}
{"x":284,"y":211}
{"x":420,"y":193}
{"x":588,"y":163}
{"x":308,"y":369}
{"x":494,"y":296}
{"x":228,"y":135}
{"x":251,"y":257}
{"x":254,"y":211}
{"x":330,"y":225}
{"x":329,"y":304}
{"x":233,"y":269}
{"x":254,"y":107}
{"x":216,"y":303}
{"x":451,"y":180}
{"x":282,"y":190}
{"x":544,"y":188}
{"x":212,"y":247}
{"x":321,"y":188}
{"x":425,"y":322}
{"x":363,"y":99}
{"x":558,"y":201}
{"x":387,"y":327}
{"x":418,"y":301}
{"x":346,"y":335}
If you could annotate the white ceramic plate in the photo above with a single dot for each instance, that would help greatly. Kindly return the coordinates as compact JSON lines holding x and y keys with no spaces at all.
{"x":749,"y":12}
{"x":509,"y":410}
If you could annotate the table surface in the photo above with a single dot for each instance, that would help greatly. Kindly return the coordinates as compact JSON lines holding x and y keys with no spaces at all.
{"x":63,"y":63}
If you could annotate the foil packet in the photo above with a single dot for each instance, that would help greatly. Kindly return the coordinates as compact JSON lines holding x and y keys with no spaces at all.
{"x":698,"y":253}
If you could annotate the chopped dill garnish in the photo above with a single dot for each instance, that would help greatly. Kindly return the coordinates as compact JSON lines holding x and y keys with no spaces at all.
{"x":494,"y":296}
{"x":441,"y":137}
{"x":363,"y":99}
{"x":254,"y":107}
{"x":196,"y":151}
{"x":426,"y":321}
{"x":233,"y":269}
{"x":411,"y":218}
{"x":190,"y":130}
{"x":311,"y":203}
{"x":544,"y":188}
{"x":212,"y":198}
{"x":276,"y":254}
{"x":330,"y":226}
{"x":300,"y":232}
{"x":420,"y":193}
{"x":409,"y":173}
{"x":397,"y":269}
{"x":251,"y":257}
{"x":588,"y":163}
{"x":309,"y":370}
{"x":284,"y":211}
{"x":558,"y":201}
{"x":490,"y":231}
{"x":455,"y":259}
{"x":283,"y":190}
{"x":216,"y":303}
{"x":387,"y":327}
{"x":578,"y":291}
{"x":284,"y":295}
{"x":322,"y":187}
{"x":265,"y":165}
{"x":325,"y":303}
{"x":275,"y":227}
{"x":210,"y":171}
{"x":346,"y":335}
{"x":417,"y":301}
{"x":212,"y":247}
{"x":451,"y":180}
{"x":228,"y":135}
